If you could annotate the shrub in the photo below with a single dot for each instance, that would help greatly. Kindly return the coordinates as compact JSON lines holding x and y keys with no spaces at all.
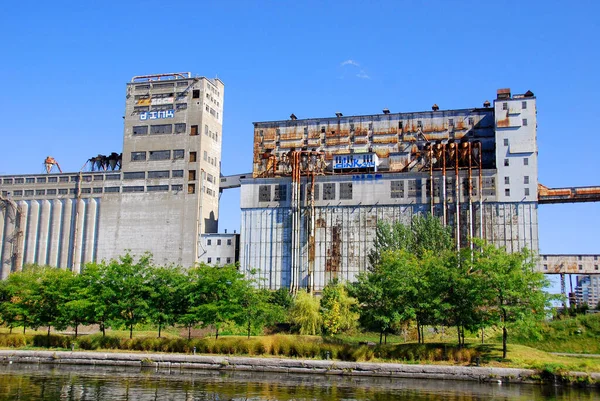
{"x":14,"y":340}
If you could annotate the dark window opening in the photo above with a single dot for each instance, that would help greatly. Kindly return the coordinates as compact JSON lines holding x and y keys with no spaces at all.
{"x":136,"y":175}
{"x":192,"y":175}
{"x":160,"y":155}
{"x":280,"y":192}
{"x":196,"y":94}
{"x":397,"y":189}
{"x":178,"y":154}
{"x":135,"y":188}
{"x":140,"y":130}
{"x":193,"y":156}
{"x":157,"y":188}
{"x":329,"y":191}
{"x":137,"y":156}
{"x":345,"y":190}
{"x":264,"y":193}
{"x":180,"y":128}
{"x":194,"y":130}
{"x":158,"y":174}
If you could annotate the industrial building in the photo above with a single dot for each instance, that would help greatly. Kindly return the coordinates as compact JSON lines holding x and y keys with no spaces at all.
{"x":310,"y":206}
{"x":159,"y":196}
{"x":321,"y":185}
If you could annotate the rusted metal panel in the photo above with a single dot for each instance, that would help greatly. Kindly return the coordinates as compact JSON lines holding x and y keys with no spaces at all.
{"x":393,"y":139}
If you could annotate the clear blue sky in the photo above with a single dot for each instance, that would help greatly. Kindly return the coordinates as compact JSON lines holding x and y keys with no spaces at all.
{"x":64,"y":66}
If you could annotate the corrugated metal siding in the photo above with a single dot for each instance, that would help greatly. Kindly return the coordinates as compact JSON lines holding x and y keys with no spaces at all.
{"x":344,"y":236}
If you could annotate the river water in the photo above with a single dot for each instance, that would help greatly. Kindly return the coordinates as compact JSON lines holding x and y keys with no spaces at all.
{"x":45,"y":382}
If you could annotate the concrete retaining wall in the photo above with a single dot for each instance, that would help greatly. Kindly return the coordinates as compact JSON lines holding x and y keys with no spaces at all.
{"x":180,"y":362}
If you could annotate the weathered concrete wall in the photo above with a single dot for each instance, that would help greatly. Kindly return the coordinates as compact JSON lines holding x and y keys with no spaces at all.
{"x":345,"y":228}
{"x":55,"y":232}
{"x":307,"y":366}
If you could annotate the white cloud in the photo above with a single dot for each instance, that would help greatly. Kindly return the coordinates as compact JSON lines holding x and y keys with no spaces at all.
{"x":350,"y":62}
{"x":362,"y":74}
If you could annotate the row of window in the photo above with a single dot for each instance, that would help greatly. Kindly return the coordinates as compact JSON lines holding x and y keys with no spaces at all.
{"x":526,"y":192}
{"x":218,"y":260}
{"x":159,"y":129}
{"x":161,"y":85}
{"x":525,"y":162}
{"x":157,"y":155}
{"x":55,"y":179}
{"x":137,"y":175}
{"x":580,"y":267}
{"x":96,"y":190}
{"x":525,"y":180}
{"x":523,"y":105}
{"x":209,"y":242}
{"x":470,"y":121}
{"x":398,"y":189}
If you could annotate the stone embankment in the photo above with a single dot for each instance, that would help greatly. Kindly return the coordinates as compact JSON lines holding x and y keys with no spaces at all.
{"x":304,"y":366}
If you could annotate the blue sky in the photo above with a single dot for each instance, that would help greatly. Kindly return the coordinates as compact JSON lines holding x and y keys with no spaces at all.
{"x":64,"y":66}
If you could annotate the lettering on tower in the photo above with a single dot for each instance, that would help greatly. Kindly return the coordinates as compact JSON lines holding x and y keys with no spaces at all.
{"x":157,"y":115}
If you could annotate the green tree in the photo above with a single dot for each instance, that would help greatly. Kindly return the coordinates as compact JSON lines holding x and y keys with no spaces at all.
{"x":166,"y":287}
{"x":78,"y":308}
{"x":257,"y":309}
{"x":337,"y":309}
{"x":425,"y":233}
{"x":513,"y":290}
{"x":101,"y":293}
{"x":53,"y":287}
{"x":215,"y":295}
{"x":304,"y":313}
{"x":23,"y":289}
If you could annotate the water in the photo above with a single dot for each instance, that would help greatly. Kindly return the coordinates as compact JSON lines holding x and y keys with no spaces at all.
{"x":44,"y":382}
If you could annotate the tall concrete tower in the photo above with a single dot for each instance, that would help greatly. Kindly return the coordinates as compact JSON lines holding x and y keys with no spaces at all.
{"x":171,"y":143}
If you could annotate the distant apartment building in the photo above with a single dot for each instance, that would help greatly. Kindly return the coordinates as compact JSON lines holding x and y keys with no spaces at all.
{"x":587,"y":290}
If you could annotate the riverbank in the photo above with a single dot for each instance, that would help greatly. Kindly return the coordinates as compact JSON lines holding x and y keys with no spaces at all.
{"x":175,"y":362}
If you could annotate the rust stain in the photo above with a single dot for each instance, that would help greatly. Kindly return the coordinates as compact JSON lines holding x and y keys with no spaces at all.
{"x":389,"y":131}
{"x":320,"y":223}
{"x":588,"y":191}
{"x":393,"y":139}
{"x":332,"y":262}
{"x":338,"y":141}
{"x":291,"y":136}
{"x":337,"y":133}
{"x":361,"y":141}
{"x":290,"y":145}
{"x":383,"y":153}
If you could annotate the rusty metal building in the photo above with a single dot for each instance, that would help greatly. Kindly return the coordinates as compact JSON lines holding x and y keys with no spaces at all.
{"x":159,"y":196}
{"x":321,"y":185}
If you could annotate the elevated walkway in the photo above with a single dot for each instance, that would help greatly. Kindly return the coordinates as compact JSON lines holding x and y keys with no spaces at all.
{"x":567,"y":195}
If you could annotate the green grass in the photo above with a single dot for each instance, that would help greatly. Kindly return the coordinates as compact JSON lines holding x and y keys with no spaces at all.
{"x":580,"y":334}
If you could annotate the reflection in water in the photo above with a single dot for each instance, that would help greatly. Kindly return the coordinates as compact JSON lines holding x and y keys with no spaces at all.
{"x":42,"y":382}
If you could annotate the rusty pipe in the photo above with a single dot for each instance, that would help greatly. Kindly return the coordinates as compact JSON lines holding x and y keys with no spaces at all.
{"x":445,"y":214}
{"x":457,"y":194}
{"x":431,"y":200}
{"x":470,"y":197}
{"x":481,"y":214}
{"x":311,"y":239}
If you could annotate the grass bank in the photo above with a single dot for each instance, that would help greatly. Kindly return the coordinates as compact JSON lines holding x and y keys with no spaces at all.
{"x":578,"y":334}
{"x":314,"y":347}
